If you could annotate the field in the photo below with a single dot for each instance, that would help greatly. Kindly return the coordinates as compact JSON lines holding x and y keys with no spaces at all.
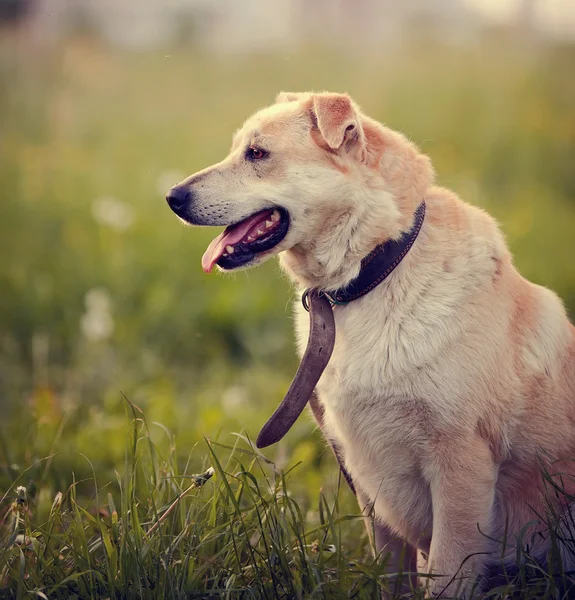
{"x":126,"y":373}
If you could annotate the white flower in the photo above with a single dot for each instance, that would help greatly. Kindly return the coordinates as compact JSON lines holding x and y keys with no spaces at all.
{"x":97,"y":326}
{"x":234,"y":397}
{"x":97,"y":299}
{"x":97,"y":323}
{"x":113,"y":213}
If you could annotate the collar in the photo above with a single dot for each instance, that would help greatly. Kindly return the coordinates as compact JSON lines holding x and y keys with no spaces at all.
{"x":377,"y":266}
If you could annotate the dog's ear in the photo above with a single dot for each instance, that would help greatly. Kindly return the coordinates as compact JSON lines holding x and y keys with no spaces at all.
{"x":336,"y":118}
{"x":289,"y":96}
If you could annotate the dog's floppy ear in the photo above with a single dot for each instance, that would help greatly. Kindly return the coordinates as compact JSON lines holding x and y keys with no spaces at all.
{"x":336,"y":117}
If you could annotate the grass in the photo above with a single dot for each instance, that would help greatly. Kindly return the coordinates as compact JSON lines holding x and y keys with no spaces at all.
{"x":102,"y":292}
{"x":233,"y":531}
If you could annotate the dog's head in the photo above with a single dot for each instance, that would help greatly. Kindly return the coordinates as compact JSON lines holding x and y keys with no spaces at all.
{"x":310,"y":175}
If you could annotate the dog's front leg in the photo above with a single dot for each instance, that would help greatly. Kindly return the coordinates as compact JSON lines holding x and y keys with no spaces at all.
{"x":399,"y":556}
{"x":462,"y":477}
{"x":401,"y":562}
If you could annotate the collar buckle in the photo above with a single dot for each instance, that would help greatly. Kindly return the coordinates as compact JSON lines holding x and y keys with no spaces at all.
{"x":319,"y":293}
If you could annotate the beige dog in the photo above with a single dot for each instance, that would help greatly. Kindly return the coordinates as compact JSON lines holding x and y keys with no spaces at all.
{"x":453,"y":380}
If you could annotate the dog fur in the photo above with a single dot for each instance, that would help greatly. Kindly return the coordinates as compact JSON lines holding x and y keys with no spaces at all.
{"x":451,"y":383}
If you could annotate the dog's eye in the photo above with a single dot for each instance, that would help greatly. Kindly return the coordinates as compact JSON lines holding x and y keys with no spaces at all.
{"x":253,"y":153}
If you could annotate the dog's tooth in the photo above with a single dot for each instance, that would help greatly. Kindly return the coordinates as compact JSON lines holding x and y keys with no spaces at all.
{"x":251,"y":238}
{"x":275,"y":216}
{"x":225,"y":254}
{"x":260,"y":231}
{"x":268,"y":224}
{"x":230,"y":249}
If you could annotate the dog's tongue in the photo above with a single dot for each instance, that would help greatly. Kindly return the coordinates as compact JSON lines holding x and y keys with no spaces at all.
{"x":229,"y":237}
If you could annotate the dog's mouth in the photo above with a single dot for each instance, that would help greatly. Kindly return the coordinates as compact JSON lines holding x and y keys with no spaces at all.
{"x":239,"y":244}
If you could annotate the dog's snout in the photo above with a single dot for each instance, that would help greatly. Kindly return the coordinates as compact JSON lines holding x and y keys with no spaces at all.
{"x":179,"y":198}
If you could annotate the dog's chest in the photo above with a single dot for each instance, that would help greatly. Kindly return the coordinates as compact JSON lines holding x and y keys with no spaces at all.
{"x":381,"y":437}
{"x":379,"y":411}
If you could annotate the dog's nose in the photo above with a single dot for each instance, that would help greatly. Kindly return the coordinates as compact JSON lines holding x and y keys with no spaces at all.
{"x":178,"y":198}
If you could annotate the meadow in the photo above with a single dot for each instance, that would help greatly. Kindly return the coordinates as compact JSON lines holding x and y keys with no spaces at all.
{"x":132,"y":384}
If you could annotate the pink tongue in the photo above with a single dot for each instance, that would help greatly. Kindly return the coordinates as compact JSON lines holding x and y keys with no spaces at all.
{"x":229,"y":237}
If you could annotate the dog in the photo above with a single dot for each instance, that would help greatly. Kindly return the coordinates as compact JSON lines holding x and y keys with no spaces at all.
{"x":452,"y":382}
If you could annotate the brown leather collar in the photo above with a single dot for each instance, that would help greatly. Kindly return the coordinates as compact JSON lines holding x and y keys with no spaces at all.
{"x":313,"y":363}
{"x":375,"y":268}
{"x":378,"y":265}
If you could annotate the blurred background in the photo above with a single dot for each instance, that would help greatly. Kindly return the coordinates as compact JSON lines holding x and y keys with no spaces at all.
{"x":104,"y":105}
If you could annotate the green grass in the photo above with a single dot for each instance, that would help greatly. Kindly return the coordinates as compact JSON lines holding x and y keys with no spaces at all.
{"x":160,"y":532}
{"x":205,"y":357}
{"x":233,"y":531}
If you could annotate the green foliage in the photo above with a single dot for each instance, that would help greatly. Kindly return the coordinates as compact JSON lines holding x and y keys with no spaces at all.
{"x":160,"y":532}
{"x":233,"y":531}
{"x":102,"y":292}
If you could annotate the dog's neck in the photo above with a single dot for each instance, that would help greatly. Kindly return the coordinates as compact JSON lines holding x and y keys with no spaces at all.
{"x":394,"y":180}
{"x":334,"y":258}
